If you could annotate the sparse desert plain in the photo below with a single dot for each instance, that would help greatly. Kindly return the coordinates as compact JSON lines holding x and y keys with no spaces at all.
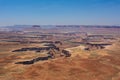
{"x":60,"y":54}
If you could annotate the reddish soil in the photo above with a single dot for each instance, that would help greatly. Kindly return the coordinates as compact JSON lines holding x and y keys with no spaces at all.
{"x":73,"y":69}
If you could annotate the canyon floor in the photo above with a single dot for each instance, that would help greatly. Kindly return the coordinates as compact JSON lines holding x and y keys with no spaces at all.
{"x":82,"y":65}
{"x":94,"y":62}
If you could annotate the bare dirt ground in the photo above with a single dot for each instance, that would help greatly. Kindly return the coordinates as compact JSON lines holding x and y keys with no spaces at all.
{"x":100,"y":64}
{"x":83,"y":65}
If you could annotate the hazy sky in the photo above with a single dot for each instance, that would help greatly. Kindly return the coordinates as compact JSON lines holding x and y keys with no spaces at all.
{"x":88,"y":12}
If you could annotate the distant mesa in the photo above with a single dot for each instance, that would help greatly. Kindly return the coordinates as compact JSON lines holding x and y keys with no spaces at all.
{"x":36,"y":26}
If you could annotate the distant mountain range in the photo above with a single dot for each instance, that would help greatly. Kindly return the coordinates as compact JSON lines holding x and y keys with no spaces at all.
{"x":21,"y":27}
